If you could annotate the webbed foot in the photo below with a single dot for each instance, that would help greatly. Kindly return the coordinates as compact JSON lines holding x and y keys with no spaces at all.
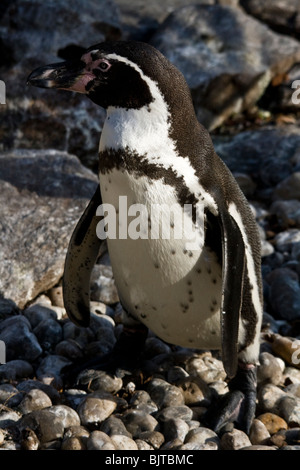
{"x":238,"y":405}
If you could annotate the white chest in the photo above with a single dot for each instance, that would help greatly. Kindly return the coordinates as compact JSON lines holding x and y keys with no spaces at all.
{"x":173,"y":289}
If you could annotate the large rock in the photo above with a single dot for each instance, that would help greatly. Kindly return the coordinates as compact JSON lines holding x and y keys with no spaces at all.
{"x":268,"y":154}
{"x":35,"y":33}
{"x":280,"y":15}
{"x":227,"y":57}
{"x":42,"y":195}
{"x":140,"y":19}
{"x":40,"y":28}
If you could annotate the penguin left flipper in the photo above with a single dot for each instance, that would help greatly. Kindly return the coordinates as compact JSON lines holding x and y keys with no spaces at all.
{"x":238,"y":405}
{"x":81,"y":256}
{"x":233,"y":266}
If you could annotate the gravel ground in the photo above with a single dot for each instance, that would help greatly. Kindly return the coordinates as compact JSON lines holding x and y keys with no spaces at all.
{"x":159,"y":406}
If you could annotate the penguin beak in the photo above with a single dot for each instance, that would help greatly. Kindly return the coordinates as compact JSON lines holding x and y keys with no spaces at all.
{"x":70,"y":75}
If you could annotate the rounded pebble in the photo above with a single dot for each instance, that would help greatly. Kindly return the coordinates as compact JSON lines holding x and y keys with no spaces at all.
{"x":35,"y":399}
{"x":15,"y":369}
{"x":272,"y":422}
{"x":258,"y":432}
{"x":93,"y":410}
{"x":269,"y":370}
{"x":100,"y":380}
{"x":141,"y":400}
{"x":138,"y":421}
{"x":46,"y":425}
{"x":202,"y":436}
{"x":98,"y":440}
{"x":122,"y":442}
{"x":164,"y":394}
{"x":114,"y":425}
{"x":234,"y":440}
{"x":75,"y":438}
{"x":154,"y":438}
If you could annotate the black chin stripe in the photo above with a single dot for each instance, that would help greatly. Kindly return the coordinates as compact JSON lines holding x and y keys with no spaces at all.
{"x":133,"y":163}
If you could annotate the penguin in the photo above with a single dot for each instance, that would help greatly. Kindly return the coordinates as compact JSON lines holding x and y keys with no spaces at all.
{"x":155,"y":153}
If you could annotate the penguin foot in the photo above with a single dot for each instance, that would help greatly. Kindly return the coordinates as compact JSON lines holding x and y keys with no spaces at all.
{"x":124,"y":357}
{"x":238,"y":405}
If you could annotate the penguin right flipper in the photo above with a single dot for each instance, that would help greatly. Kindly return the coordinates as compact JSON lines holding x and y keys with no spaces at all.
{"x":81,"y":256}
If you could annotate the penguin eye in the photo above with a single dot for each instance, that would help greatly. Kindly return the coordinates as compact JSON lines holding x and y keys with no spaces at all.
{"x":104,"y":66}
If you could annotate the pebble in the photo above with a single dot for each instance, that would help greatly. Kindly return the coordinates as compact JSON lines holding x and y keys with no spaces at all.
{"x":39,"y":312}
{"x":164,"y":394}
{"x":50,"y":369}
{"x":29,"y":440}
{"x":100,"y":380}
{"x":154,"y":346}
{"x":56,"y":296}
{"x":172,"y":412}
{"x":270,"y":369}
{"x":114,"y":425}
{"x":201,"y":436}
{"x":289,"y":188}
{"x":195,"y":391}
{"x":207,"y":367}
{"x":94,"y":409}
{"x":259,"y":447}
{"x":75,"y":438}
{"x":143,"y":445}
{"x":195,"y":446}
{"x":35,"y":399}
{"x":259,"y":433}
{"x":138,"y":421}
{"x":141,"y":400}
{"x":70,"y":349}
{"x":7,"y":391}
{"x":98,"y":440}
{"x":234,"y":440}
{"x":272,"y":422}
{"x":66,"y":415}
{"x":154,"y":438}
{"x":19,"y":340}
{"x":122,"y":442}
{"x":46,"y":425}
{"x":175,"y":428}
{"x":8,"y":417}
{"x":15,"y":369}
{"x":27,"y":385}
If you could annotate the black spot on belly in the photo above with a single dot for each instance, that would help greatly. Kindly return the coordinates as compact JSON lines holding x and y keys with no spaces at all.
{"x":156,"y":265}
{"x":184,"y":307}
{"x":173,"y":252}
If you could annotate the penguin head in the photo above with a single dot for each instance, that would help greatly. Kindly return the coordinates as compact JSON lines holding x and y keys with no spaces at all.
{"x":111,"y":74}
